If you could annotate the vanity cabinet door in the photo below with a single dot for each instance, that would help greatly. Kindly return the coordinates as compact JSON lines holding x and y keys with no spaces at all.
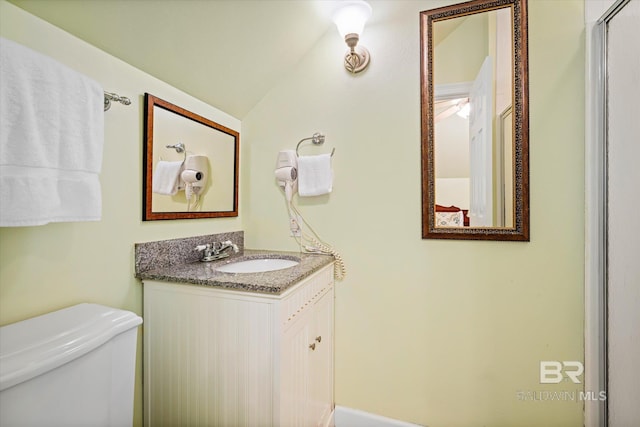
{"x":307,"y":365}
{"x":295,"y":368}
{"x":321,"y":363}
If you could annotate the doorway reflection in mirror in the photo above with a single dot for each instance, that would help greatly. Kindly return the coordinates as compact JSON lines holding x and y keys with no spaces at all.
{"x":472,"y":75}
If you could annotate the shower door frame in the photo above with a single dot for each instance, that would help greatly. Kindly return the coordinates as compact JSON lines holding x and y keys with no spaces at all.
{"x":595,"y":327}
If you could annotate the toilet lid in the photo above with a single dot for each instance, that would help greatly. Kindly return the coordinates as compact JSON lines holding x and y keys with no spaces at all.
{"x":34,"y":346}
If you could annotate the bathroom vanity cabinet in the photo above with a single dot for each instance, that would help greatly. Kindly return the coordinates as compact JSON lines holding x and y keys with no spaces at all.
{"x":220,"y":357}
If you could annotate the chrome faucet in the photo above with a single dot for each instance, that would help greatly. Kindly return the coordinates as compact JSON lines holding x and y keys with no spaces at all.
{"x":214,"y":251}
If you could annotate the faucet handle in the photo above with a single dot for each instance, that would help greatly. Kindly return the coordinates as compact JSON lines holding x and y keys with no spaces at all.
{"x":203,"y":247}
{"x":229,"y":243}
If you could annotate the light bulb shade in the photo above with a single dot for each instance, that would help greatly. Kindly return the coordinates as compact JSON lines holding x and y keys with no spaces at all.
{"x":351,"y":17}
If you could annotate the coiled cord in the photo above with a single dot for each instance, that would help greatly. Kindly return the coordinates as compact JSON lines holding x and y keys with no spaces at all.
{"x":339,"y":269}
{"x":315,"y":245}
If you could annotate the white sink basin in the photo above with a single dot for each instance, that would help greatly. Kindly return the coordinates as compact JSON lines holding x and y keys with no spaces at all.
{"x":258,"y":265}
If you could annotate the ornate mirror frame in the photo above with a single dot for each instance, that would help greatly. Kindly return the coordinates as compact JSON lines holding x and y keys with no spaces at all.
{"x":210,"y":131}
{"x":520,"y":111}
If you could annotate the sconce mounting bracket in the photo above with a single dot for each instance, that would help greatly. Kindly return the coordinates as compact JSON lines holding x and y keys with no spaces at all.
{"x":356,"y":59}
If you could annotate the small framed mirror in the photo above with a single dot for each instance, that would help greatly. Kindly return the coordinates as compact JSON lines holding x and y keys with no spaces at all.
{"x":191,"y":164}
{"x":475,"y":121}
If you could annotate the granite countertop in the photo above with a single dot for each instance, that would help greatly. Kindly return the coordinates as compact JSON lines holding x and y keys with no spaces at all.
{"x":268,"y":282}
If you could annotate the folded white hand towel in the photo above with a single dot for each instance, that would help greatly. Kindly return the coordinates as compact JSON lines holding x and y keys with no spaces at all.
{"x":51,"y":140}
{"x":315,"y":176}
{"x":166,"y":178}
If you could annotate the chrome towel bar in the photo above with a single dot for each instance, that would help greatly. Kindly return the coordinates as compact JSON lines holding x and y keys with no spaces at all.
{"x":110,"y":96}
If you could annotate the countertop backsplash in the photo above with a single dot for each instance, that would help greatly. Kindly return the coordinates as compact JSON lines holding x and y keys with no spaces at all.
{"x":167,"y":253}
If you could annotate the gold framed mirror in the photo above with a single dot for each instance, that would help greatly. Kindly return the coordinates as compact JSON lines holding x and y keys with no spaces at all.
{"x":475,"y":121}
{"x":191,"y":164}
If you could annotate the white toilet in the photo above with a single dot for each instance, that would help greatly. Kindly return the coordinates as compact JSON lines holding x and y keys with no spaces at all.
{"x":72,"y":367}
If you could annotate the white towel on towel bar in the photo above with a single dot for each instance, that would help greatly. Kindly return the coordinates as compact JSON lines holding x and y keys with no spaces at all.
{"x":166,"y":178}
{"x":51,"y":140}
{"x":315,"y":176}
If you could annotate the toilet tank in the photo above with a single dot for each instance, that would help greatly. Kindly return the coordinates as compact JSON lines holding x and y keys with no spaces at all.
{"x":72,"y":367}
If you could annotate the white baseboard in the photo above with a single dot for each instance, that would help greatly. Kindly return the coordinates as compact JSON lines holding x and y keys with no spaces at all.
{"x":347,"y":417}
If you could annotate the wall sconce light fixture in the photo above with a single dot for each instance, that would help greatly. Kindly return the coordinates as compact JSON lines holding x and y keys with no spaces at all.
{"x":350,"y":19}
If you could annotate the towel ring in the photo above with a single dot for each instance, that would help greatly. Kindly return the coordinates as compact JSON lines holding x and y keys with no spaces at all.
{"x":180,"y":148}
{"x":317,"y":139}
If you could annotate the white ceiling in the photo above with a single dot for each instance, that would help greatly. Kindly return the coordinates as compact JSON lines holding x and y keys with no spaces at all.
{"x":228,"y":53}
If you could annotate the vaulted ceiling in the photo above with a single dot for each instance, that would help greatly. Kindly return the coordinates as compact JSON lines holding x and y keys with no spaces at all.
{"x":228,"y":53}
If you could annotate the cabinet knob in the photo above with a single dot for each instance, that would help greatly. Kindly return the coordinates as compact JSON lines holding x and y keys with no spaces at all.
{"x":319,"y":338}
{"x":312,"y":346}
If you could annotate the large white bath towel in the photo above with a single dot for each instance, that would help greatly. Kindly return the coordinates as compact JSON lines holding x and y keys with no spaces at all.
{"x":315,"y":176}
{"x":51,"y":140}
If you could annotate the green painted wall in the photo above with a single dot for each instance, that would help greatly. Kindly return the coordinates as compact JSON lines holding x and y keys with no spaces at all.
{"x":442,"y":333}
